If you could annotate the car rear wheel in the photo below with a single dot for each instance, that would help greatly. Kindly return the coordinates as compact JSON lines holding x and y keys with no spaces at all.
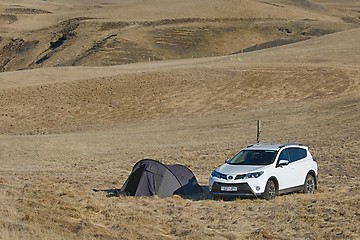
{"x":270,"y":190}
{"x":309,"y":185}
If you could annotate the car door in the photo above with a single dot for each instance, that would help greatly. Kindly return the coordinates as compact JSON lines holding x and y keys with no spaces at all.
{"x":284,"y":173}
{"x":298,"y":165}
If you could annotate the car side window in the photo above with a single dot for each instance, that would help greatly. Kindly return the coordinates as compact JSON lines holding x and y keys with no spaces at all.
{"x":284,"y":155}
{"x":297,"y":154}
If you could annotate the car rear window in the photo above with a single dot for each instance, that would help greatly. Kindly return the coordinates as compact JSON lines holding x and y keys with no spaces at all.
{"x":297,"y":154}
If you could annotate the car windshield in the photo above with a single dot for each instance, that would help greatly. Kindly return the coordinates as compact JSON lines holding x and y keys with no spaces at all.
{"x":253,"y":157}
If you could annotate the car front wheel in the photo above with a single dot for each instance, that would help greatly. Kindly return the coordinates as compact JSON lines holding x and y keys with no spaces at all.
{"x":309,"y":185}
{"x":270,"y":190}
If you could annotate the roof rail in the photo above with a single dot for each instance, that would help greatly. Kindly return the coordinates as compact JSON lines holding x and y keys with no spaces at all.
{"x":260,"y":144}
{"x":290,"y":143}
{"x":265,"y":143}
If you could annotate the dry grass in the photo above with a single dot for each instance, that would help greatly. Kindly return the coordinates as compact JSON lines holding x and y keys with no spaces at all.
{"x":67,"y":130}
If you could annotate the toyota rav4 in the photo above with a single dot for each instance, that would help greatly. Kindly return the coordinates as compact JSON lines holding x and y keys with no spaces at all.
{"x":265,"y":170}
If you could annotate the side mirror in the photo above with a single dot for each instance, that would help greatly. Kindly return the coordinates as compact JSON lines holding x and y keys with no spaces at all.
{"x":226,"y":161}
{"x":283,"y":162}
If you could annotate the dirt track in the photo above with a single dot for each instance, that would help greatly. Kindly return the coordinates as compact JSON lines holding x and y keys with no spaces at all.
{"x":65,"y":131}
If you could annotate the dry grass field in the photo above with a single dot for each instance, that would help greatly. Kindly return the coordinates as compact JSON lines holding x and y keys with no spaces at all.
{"x":88,"y":88}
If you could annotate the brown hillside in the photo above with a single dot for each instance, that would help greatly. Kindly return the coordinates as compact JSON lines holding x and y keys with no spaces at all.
{"x":67,"y":129}
{"x":55,"y":33}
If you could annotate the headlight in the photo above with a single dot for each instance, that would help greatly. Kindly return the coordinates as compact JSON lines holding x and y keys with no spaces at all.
{"x":253,"y":175}
{"x":215,"y":174}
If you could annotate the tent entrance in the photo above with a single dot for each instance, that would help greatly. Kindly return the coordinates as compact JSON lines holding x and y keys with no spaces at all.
{"x":133,"y":181}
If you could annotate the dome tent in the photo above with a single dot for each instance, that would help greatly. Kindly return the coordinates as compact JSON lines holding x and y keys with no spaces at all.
{"x":150,"y":177}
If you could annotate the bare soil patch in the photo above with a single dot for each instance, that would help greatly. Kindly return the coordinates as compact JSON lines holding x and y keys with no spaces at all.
{"x":25,"y":11}
{"x":8,"y":18}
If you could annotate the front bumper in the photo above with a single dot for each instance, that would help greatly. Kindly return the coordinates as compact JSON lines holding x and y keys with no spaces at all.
{"x":243,"y":190}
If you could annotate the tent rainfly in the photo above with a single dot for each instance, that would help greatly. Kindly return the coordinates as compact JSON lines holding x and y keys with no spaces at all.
{"x":150,"y":177}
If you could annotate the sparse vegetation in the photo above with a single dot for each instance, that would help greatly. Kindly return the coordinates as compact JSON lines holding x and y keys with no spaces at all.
{"x":66,"y":130}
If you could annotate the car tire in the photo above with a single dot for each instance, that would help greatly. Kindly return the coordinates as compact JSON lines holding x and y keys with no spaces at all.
{"x":309,"y":185}
{"x":270,"y":190}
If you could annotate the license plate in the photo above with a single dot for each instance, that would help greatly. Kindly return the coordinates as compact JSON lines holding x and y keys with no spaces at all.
{"x":228,"y":188}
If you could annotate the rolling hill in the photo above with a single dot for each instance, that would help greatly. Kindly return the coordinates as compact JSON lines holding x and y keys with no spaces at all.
{"x":87,"y":89}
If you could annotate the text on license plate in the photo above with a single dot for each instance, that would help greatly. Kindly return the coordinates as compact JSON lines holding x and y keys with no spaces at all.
{"x":228,"y":188}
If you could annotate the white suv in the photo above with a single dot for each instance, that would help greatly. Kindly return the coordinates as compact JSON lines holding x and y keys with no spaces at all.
{"x":264,"y":170}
